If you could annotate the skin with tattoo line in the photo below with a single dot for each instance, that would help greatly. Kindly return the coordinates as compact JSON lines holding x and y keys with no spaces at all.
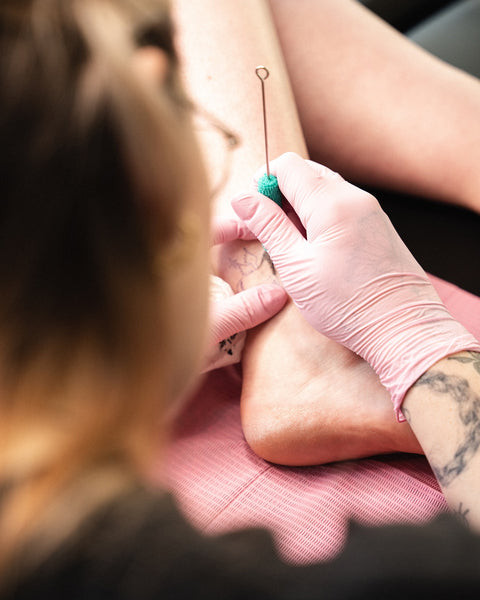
{"x":443,"y":409}
{"x":331,"y":407}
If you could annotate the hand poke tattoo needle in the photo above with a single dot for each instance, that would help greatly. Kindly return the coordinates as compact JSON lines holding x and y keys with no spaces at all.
{"x":268,"y":184}
{"x":262,"y":74}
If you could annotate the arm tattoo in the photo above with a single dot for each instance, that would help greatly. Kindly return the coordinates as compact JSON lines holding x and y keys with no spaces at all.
{"x":474,"y":358}
{"x":468,"y":405}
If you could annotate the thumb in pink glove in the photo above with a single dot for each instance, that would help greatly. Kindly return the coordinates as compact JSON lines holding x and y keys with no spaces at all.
{"x":232,"y":314}
{"x":352,"y":276}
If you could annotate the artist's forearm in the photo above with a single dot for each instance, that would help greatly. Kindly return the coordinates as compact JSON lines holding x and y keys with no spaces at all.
{"x":376,"y":107}
{"x":443,"y":409}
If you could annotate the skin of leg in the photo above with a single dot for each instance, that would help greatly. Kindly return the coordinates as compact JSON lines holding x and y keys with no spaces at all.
{"x":376,"y":107}
{"x":290,"y":371}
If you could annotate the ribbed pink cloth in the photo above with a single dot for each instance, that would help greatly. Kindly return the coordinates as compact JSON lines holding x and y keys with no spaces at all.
{"x":222,"y":485}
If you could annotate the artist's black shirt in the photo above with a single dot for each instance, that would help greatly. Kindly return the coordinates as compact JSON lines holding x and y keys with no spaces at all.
{"x":141,"y":547}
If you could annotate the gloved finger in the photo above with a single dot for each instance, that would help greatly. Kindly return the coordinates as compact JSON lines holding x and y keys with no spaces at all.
{"x":317,"y":169}
{"x":305,"y":185}
{"x":294,"y":218}
{"x":323,"y":171}
{"x":286,"y":206}
{"x":270,"y":225}
{"x":245,"y":310}
{"x":228,"y":229}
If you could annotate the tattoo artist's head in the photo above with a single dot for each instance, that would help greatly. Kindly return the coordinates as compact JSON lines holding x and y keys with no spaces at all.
{"x":103,"y":244}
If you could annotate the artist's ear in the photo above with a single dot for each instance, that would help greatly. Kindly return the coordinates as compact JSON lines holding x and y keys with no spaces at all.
{"x":151,"y":63}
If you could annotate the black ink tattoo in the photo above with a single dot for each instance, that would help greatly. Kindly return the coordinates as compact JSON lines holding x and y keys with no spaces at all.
{"x":462,"y":514}
{"x":248,"y":263}
{"x":406,"y":414}
{"x":474,"y":358}
{"x":468,"y":404}
{"x":227,"y":345}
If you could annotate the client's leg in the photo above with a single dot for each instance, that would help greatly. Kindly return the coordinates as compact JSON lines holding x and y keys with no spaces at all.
{"x":378,"y":108}
{"x":300,"y":394}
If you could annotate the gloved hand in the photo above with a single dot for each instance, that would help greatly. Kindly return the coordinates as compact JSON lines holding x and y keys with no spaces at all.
{"x":232,"y":314}
{"x":352,"y":277}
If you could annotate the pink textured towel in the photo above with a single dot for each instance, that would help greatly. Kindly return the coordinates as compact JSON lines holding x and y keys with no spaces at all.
{"x":222,"y":485}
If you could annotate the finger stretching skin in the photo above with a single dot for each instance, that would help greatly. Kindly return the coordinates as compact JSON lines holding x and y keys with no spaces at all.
{"x":269,"y":224}
{"x":246,"y":310}
{"x":228,"y":229}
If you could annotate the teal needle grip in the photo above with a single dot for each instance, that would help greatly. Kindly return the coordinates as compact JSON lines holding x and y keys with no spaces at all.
{"x":268,"y":186}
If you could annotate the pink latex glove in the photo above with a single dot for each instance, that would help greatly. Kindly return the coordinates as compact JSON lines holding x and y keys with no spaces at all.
{"x":232,"y":314}
{"x":352,"y":277}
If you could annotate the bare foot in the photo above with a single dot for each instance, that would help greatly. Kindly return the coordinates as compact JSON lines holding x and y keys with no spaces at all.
{"x":305,"y":399}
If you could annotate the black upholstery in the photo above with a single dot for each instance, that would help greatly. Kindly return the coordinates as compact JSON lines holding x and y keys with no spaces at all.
{"x":404,"y":14}
{"x":453,"y":35}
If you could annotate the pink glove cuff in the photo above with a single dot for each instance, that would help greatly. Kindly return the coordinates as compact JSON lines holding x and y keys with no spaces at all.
{"x":402,"y":341}
{"x":399,"y":380}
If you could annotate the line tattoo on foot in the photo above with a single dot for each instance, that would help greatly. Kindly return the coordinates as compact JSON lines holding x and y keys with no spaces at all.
{"x":462,"y":514}
{"x":249,"y":262}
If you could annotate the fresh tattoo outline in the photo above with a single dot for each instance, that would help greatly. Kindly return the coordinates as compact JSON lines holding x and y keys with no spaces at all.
{"x":248,"y":263}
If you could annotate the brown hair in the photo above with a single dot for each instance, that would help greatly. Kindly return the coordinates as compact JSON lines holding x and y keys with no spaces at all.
{"x":92,"y":181}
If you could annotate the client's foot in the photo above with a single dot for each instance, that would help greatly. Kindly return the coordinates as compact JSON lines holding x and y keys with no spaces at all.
{"x":305,"y":399}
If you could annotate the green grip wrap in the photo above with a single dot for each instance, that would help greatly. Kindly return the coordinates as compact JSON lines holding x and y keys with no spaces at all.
{"x":268,"y":186}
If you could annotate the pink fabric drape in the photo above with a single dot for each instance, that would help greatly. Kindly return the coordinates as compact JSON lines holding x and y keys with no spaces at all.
{"x":222,"y":485}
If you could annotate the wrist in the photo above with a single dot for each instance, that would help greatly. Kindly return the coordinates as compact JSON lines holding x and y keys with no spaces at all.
{"x":411,"y":344}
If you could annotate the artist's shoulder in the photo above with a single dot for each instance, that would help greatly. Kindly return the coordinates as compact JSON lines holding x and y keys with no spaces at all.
{"x":118,"y":551}
{"x":141,"y":546}
{"x":438,"y":559}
